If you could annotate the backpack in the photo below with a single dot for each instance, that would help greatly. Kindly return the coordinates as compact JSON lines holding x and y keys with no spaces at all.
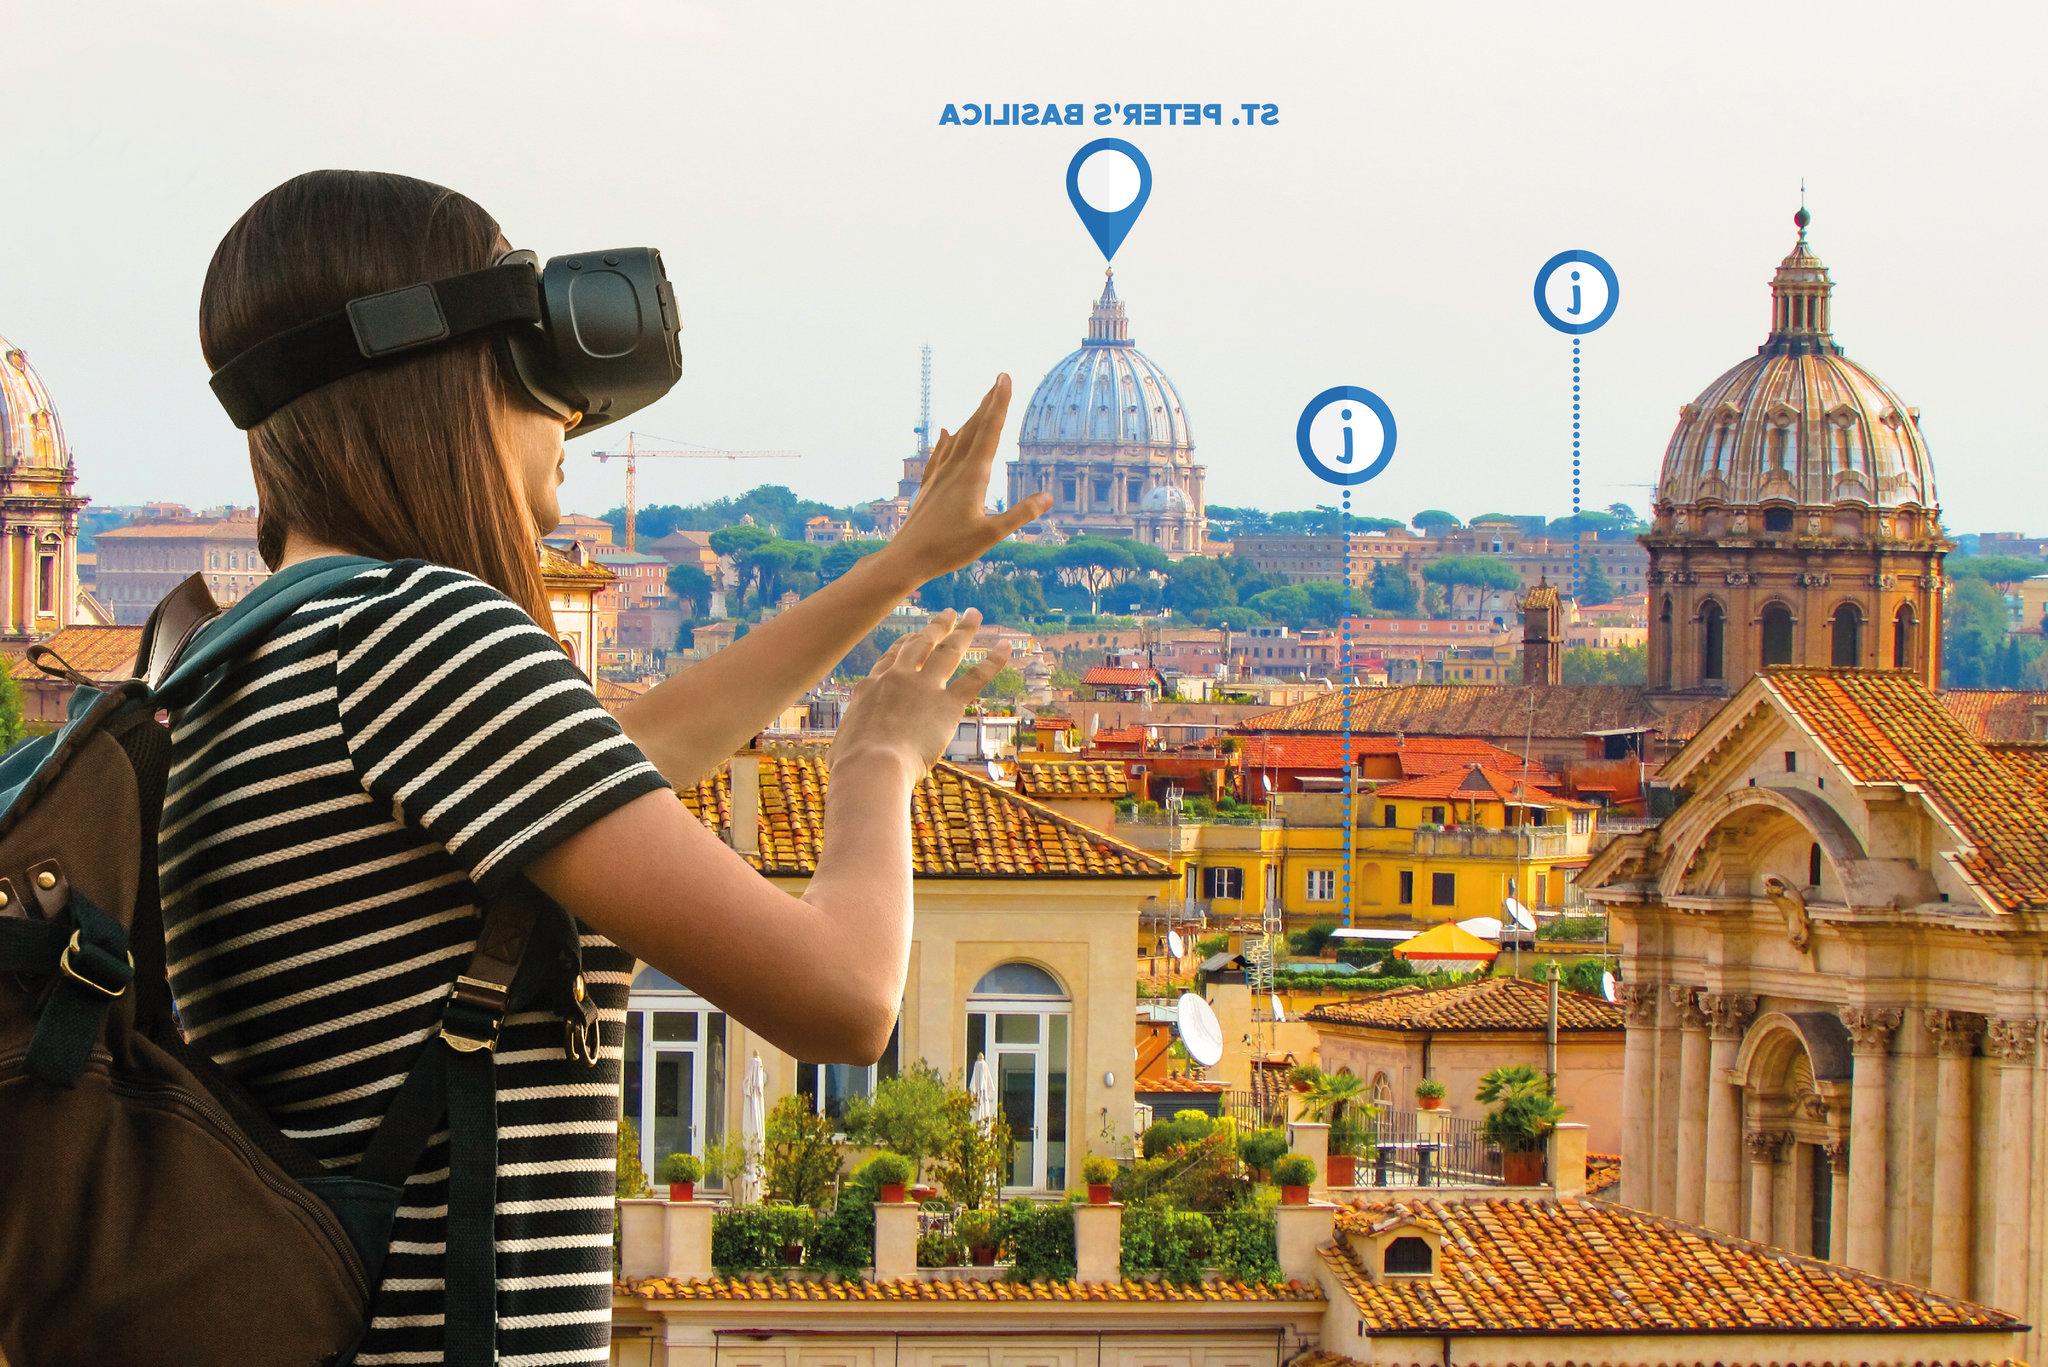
{"x":151,"y":1212}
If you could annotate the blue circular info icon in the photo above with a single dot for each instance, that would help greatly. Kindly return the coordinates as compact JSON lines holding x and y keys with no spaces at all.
{"x":1345,"y":435}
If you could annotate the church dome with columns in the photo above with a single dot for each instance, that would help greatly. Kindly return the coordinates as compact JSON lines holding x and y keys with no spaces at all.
{"x":1795,"y":520}
{"x":39,"y":592}
{"x":1107,"y":435}
{"x":1799,"y":422}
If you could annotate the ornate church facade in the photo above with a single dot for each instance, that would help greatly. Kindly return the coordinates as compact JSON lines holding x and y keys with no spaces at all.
{"x":1795,"y":519}
{"x":39,"y":593}
{"x":1107,"y":436}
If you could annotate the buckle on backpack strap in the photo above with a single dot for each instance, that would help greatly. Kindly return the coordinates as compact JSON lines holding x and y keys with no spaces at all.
{"x":123,"y":976}
{"x":475,"y":1009}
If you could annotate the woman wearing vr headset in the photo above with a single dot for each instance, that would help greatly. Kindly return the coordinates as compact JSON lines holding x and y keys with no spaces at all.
{"x":414,"y":743}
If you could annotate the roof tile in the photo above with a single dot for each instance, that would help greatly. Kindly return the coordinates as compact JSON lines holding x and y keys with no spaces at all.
{"x":1502,"y":1003}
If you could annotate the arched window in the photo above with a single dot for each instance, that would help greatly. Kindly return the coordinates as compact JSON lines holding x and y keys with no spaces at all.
{"x":1713,"y":638}
{"x":1813,"y":866}
{"x":1848,"y":650}
{"x":1018,"y":1021}
{"x":1408,"y":1255}
{"x":1777,"y":519}
{"x":1902,"y":637}
{"x":1664,"y":647}
{"x":1777,"y":643}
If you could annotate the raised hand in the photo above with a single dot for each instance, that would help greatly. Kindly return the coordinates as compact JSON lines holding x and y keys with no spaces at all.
{"x":950,"y":524}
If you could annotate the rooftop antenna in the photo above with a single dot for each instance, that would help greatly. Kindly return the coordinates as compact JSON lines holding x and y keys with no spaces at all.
{"x":924,"y":400}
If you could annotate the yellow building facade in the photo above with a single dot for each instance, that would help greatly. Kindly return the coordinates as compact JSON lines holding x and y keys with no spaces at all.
{"x":1425,"y":849}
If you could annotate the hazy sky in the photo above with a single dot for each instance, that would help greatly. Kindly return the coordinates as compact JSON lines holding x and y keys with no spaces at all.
{"x":821,"y":224}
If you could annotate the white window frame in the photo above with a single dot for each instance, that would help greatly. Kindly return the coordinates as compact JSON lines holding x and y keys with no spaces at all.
{"x":1216,"y":875}
{"x":1046,"y":1009}
{"x":1321,"y":885}
{"x":652,"y":995}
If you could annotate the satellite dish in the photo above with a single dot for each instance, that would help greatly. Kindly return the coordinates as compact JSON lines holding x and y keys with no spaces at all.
{"x":1199,"y":1029}
{"x":1607,"y":986}
{"x":1273,"y":998}
{"x":1174,"y":945}
{"x":995,"y":771}
{"x":1518,"y":915}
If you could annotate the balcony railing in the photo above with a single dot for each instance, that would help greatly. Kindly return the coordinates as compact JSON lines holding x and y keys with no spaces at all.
{"x":1403,"y":1149}
{"x":1521,"y":842}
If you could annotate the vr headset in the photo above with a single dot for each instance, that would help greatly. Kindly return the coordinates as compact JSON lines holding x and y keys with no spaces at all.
{"x":591,"y":337}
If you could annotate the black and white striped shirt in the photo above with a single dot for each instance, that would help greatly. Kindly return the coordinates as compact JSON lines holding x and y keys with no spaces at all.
{"x":340,"y":799}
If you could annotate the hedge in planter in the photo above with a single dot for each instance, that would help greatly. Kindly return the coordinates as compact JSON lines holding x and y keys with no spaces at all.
{"x":1040,"y":1241}
{"x":1247,"y":1245}
{"x":751,"y":1238}
{"x":1262,"y":1148}
{"x":1174,"y":1243}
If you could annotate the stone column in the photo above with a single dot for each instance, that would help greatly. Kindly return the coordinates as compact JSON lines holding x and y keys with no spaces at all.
{"x":1639,"y":1156}
{"x":1693,"y":1089}
{"x":1098,"y":1243}
{"x":1730,"y":1013}
{"x":1954,"y":1035}
{"x":1870,"y":1034}
{"x":2012,"y":1043}
{"x":1665,"y":1143}
{"x":1837,"y":1250}
{"x":1765,"y":1148}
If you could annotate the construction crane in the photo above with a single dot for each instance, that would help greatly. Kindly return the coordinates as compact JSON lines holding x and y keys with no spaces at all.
{"x":635,"y":453}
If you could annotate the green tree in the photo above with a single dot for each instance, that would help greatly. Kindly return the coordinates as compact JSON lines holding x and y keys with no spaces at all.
{"x":1995,"y":569}
{"x":1393,"y":590}
{"x":12,"y":724}
{"x":841,"y":556}
{"x":801,"y":1155}
{"x":1006,"y":686}
{"x":1096,"y":564}
{"x":772,"y":566}
{"x":1624,"y":516}
{"x":1589,"y":665}
{"x":1198,"y":583}
{"x":1473,"y":571}
{"x":691,"y":584}
{"x":1594,"y":585}
{"x":1973,"y":633}
{"x":906,"y":1115}
{"x":1590,"y":520}
{"x":1288,"y":605}
{"x":1433,"y":520}
{"x":737,"y":540}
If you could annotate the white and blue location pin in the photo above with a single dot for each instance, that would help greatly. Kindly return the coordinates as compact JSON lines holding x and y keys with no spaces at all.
{"x":1576,"y":292}
{"x":1345,"y":435}
{"x":1115,"y":174}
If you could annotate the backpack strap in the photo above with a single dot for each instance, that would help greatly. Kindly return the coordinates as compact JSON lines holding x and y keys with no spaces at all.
{"x":459,"y":1082}
{"x":172,"y":624}
{"x":211,"y":644}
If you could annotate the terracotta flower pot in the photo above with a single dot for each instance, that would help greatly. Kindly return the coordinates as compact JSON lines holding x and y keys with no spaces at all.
{"x":1300,"y":1087}
{"x":1429,"y":1103}
{"x":984,"y":1255}
{"x":1341,"y":1169}
{"x":792,"y":1254}
{"x":682,"y":1191}
{"x":1294,"y":1196}
{"x":1522,"y":1167}
{"x":1098,"y":1193}
{"x":892,"y":1193}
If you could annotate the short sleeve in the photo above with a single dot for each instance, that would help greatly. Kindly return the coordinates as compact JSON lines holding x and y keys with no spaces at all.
{"x":474,"y":725}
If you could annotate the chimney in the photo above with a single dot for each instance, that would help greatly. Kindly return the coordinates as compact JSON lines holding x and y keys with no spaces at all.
{"x":745,"y":833}
{"x":1568,"y":1159}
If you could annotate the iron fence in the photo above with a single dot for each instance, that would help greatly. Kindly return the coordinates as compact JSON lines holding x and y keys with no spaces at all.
{"x":1403,"y":1149}
{"x":1253,"y":1110}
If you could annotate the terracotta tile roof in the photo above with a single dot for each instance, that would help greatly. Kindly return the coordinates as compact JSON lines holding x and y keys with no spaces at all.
{"x":1193,"y":1086}
{"x":1572,"y":1266}
{"x":231,"y":528}
{"x":1884,"y":726}
{"x":96,"y":652}
{"x":1502,"y":1003}
{"x":961,"y":825}
{"x":1418,"y":755}
{"x":1118,"y":735}
{"x":556,"y":568}
{"x":1322,"y":1357}
{"x":1072,"y":778}
{"x":2027,"y":760}
{"x":1603,"y":1172}
{"x":1492,"y":710}
{"x":827,"y":1289}
{"x":1474,"y":782}
{"x":1116,"y":674}
{"x":1996,"y":713}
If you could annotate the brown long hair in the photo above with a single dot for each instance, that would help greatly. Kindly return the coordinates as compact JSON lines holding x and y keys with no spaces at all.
{"x":399,"y":461}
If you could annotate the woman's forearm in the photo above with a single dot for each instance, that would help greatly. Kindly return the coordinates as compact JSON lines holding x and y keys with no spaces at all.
{"x":688,"y":725}
{"x":863,"y":885}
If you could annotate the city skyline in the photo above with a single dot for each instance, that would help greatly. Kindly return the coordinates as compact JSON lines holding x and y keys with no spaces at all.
{"x":1382,"y":234}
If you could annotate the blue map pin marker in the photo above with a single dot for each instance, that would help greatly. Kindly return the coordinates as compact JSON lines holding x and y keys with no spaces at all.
{"x":1109,"y":227}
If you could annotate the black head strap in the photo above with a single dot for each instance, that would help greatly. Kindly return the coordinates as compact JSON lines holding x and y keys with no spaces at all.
{"x":370,"y":331}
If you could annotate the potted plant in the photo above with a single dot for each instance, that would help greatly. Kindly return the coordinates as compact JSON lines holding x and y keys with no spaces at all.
{"x":682,"y":1172}
{"x":1429,"y":1094}
{"x":792,"y":1227}
{"x":1524,"y":1113}
{"x":980,"y":1230}
{"x":1261,"y":1149}
{"x":890,"y":1173}
{"x":1295,"y":1175}
{"x":1302,"y":1076}
{"x":1098,"y":1172}
{"x":1339,"y":1099}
